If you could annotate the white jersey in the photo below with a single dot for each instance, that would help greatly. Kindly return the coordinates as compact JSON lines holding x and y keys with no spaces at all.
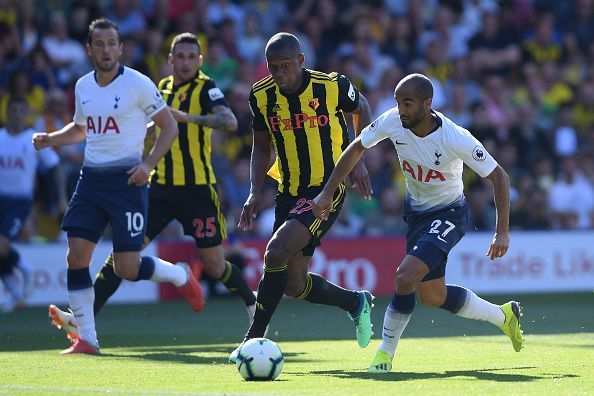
{"x":432,"y":165}
{"x":19,"y":161}
{"x":115,"y":116}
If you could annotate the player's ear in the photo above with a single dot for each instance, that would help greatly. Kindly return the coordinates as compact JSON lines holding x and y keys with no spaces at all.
{"x":170,"y":58}
{"x":427,"y":102}
{"x":301,"y":59}
{"x":200,"y":60}
{"x":89,"y":49}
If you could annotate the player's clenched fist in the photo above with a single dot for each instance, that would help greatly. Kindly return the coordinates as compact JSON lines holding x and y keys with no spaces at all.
{"x":41,"y":140}
{"x":322,"y":205}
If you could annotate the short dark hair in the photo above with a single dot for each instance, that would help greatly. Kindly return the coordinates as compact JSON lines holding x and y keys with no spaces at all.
{"x":16,"y":99}
{"x":420,"y":84}
{"x":283,"y":42}
{"x":185,"y":38}
{"x":102,"y":23}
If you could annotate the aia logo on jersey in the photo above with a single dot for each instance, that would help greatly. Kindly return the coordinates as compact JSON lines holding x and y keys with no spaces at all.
{"x":420,"y":174}
{"x":314,"y":103}
{"x":297,"y":121}
{"x":102,"y":126}
{"x":12,"y":163}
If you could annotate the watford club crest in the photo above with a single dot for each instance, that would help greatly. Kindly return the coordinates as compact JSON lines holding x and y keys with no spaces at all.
{"x":314,"y":103}
{"x":182,"y":96}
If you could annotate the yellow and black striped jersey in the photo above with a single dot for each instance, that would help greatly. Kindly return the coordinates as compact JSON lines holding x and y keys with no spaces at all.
{"x":188,"y":160}
{"x":308,"y":128}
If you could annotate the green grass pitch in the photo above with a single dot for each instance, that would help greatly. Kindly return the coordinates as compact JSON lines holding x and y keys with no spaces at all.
{"x":166,"y":349}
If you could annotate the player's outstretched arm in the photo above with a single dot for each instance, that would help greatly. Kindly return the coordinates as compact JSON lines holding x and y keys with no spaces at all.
{"x":500,"y":242}
{"x":260,"y":161}
{"x":70,"y":134}
{"x":359,"y":176}
{"x":347,"y":161}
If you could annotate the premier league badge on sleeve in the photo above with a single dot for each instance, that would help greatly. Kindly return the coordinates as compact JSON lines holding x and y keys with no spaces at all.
{"x":478,"y":153}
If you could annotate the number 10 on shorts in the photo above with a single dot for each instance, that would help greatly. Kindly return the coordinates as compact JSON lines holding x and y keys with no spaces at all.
{"x":135,"y":222}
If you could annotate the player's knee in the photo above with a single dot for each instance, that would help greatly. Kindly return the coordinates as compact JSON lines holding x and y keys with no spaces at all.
{"x":407,"y":277}
{"x":76,"y":259}
{"x":275,"y":256}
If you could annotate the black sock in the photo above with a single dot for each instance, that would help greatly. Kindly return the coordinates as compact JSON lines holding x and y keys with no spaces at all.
{"x":319,"y":291}
{"x":8,"y":262}
{"x":270,"y":291}
{"x":235,"y":282}
{"x":106,"y":283}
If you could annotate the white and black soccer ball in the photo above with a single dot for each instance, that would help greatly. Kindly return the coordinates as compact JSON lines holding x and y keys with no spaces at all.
{"x":259,"y":359}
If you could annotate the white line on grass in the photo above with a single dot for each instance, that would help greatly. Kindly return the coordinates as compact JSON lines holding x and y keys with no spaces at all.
{"x":121,"y":391}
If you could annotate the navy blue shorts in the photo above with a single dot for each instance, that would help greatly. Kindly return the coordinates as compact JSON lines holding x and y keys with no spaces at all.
{"x":13,"y":212}
{"x":103,"y":196}
{"x":431,"y":236}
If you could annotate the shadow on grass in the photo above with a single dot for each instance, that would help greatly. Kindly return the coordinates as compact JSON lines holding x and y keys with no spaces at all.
{"x":479,"y":374}
{"x":192,"y":355}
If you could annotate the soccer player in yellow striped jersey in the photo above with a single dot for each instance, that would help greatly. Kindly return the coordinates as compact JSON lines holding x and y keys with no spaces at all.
{"x":183,"y":183}
{"x":301,"y":112}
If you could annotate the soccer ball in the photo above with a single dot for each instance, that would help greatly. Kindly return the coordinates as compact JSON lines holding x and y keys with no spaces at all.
{"x":259,"y":359}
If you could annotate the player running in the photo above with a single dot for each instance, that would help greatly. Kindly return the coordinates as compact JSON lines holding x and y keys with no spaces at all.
{"x":301,"y":112}
{"x":112,"y":105}
{"x":183,"y":185}
{"x":432,"y":151}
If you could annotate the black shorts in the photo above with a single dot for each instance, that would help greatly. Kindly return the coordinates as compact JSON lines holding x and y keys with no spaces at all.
{"x":431,"y":236}
{"x":300,"y":208}
{"x":197,"y":208}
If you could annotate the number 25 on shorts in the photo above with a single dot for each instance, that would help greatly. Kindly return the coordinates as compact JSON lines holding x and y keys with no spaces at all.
{"x":206,"y":228}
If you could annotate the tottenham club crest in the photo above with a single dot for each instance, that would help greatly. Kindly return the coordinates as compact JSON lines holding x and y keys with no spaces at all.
{"x":437,"y":156}
{"x":314,"y":103}
{"x":479,"y":154}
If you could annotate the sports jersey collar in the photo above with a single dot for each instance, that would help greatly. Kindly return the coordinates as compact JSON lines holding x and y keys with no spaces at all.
{"x":303,"y":86}
{"x":196,"y":76}
{"x":437,"y":125}
{"x":119,"y":73}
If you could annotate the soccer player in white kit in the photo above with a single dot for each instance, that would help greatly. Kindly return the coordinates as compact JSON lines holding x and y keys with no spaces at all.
{"x":112,"y":106}
{"x":19,"y":163}
{"x":431,"y":150}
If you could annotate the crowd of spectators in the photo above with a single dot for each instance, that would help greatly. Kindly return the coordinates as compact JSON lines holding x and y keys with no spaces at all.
{"x":519,"y":74}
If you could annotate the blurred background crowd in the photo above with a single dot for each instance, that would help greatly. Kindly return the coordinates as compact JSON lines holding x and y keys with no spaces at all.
{"x":519,"y":74}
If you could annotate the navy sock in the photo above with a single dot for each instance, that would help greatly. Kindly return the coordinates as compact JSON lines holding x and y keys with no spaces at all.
{"x":146,"y":269}
{"x":403,"y":303}
{"x":455,"y":298}
{"x":78,"y":279}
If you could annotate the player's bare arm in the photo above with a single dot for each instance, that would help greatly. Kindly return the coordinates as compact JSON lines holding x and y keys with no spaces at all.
{"x":500,"y":242}
{"x":140,"y":173}
{"x":359,"y":176}
{"x":260,"y":161}
{"x":222,"y":118}
{"x":346,"y":163}
{"x":70,"y":134}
